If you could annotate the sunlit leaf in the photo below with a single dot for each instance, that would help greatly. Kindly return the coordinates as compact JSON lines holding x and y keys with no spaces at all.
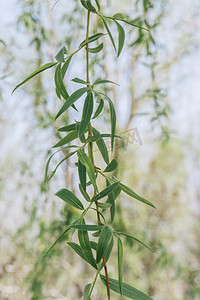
{"x":70,"y":198}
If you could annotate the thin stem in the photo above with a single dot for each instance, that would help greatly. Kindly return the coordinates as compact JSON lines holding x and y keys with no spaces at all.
{"x":90,"y":150}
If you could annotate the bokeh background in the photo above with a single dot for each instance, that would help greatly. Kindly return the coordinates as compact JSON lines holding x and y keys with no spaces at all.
{"x":158,"y":112}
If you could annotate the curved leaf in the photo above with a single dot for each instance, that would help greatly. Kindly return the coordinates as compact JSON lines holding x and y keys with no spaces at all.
{"x":60,"y":87}
{"x":70,"y":198}
{"x":104,"y":81}
{"x":109,"y":32}
{"x":67,"y":139}
{"x":135,"y":239}
{"x":121,"y":38}
{"x":127,"y":290}
{"x":109,"y":189}
{"x":91,"y":39}
{"x":41,"y":69}
{"x":96,"y":49}
{"x":101,"y":145}
{"x":112,"y":166}
{"x":99,"y":109}
{"x":86,"y":295}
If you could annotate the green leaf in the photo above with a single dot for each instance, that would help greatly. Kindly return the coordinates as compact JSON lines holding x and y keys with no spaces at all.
{"x":86,"y":246}
{"x":121,"y":38}
{"x":77,"y":249}
{"x":86,"y":161}
{"x":135,"y":239}
{"x":87,"y":113}
{"x":127,"y":290}
{"x":66,"y":157}
{"x":120,"y":264}
{"x":41,"y":69}
{"x":98,"y":5}
{"x":84,"y":193}
{"x":131,"y":193}
{"x":104,"y":81}
{"x":67,"y":128}
{"x":60,"y":55}
{"x":67,"y":139}
{"x":93,"y":245}
{"x":101,"y":145}
{"x":104,"y":205}
{"x":109,"y":32}
{"x":70,"y":198}
{"x":91,"y":39}
{"x":96,"y":49}
{"x":111,"y":200}
{"x":104,"y":240}
{"x":112,"y":119}
{"x":82,"y":175}
{"x":70,"y":101}
{"x":86,"y":295}
{"x":78,"y":80}
{"x":96,"y":234}
{"x":87,"y":227}
{"x":109,"y":189}
{"x":65,"y":66}
{"x":88,"y":5}
{"x":108,"y":251}
{"x":60,"y":87}
{"x":99,"y":109}
{"x":120,"y":17}
{"x":111,"y":166}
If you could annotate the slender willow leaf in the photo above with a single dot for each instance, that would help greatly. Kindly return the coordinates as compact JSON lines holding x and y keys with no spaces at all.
{"x":112,"y":119}
{"x":91,"y":39}
{"x":58,"y":239}
{"x":112,"y":166}
{"x":96,"y":49}
{"x":109,"y":32}
{"x":104,"y":205}
{"x":108,"y":252}
{"x":104,"y":81}
{"x":77,"y":249}
{"x":116,"y":192}
{"x":60,"y":55}
{"x":41,"y":69}
{"x":111,"y":200}
{"x":98,"y":5}
{"x":65,"y":66}
{"x":87,"y":113}
{"x":70,"y":101}
{"x":120,"y":264}
{"x":99,"y":109}
{"x":121,"y":38}
{"x":49,"y":160}
{"x":86,"y":247}
{"x":78,"y":80}
{"x":135,"y":239}
{"x":87,"y":227}
{"x":120,"y":17}
{"x":60,"y":87}
{"x":93,"y":245}
{"x":86,"y":161}
{"x":82,"y":175}
{"x":104,"y":240}
{"x":67,"y":139}
{"x":86,"y":295}
{"x":84,"y":193}
{"x":131,"y":193}
{"x":106,"y":191}
{"x":102,"y":146}
{"x":67,"y":128}
{"x":98,"y":136}
{"x":70,"y":198}
{"x":65,"y":158}
{"x":99,"y":213}
{"x":127,"y":290}
{"x":88,"y":5}
{"x":96,"y":234}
